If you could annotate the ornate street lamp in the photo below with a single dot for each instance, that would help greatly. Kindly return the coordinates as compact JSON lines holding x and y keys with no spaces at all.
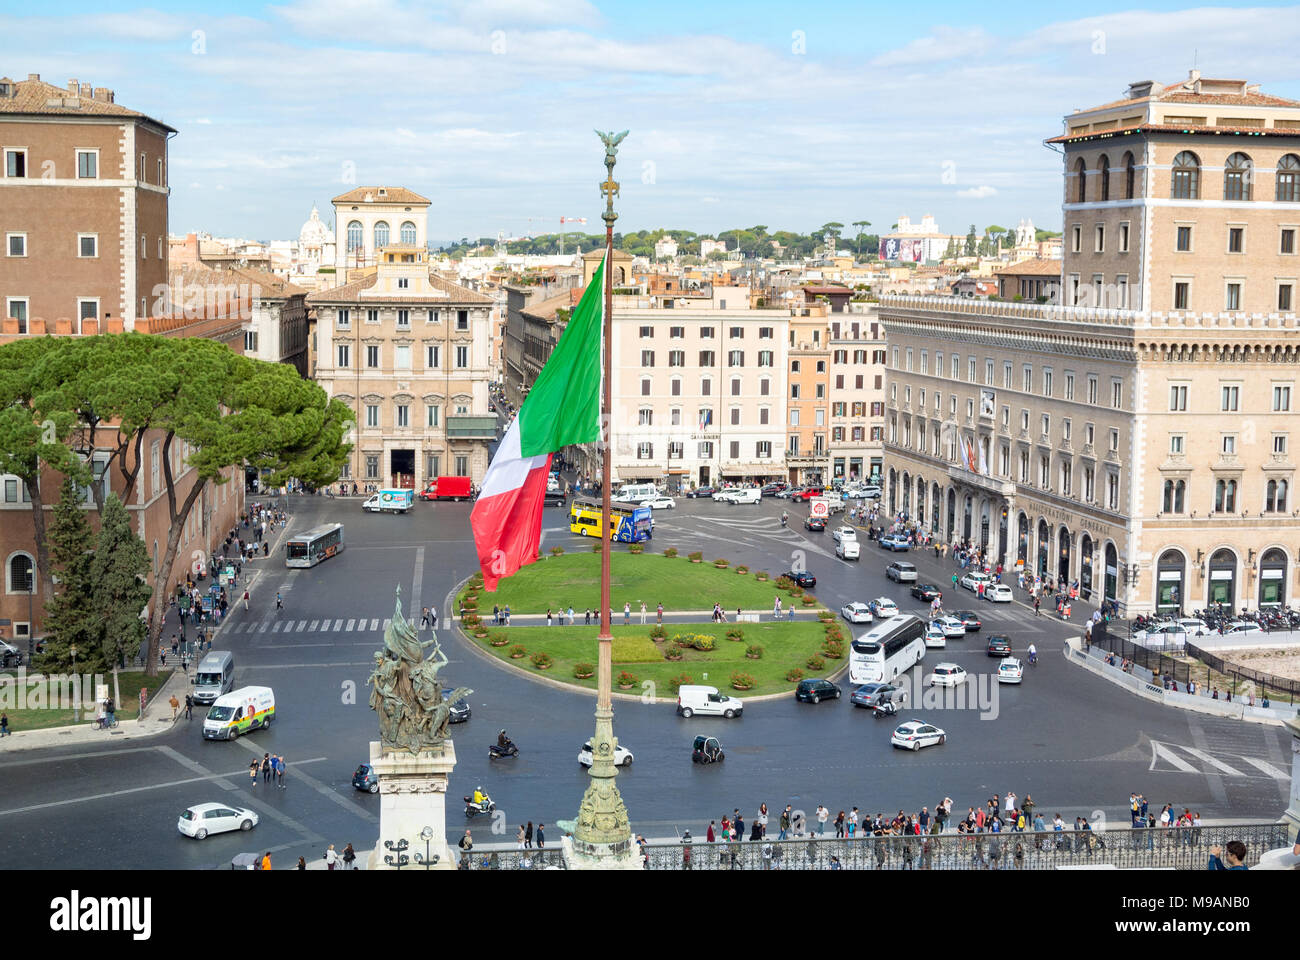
{"x":429,"y":859}
{"x":398,"y":848}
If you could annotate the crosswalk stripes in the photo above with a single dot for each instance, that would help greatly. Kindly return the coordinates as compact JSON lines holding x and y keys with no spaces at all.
{"x":326,"y":625}
{"x":350,"y":623}
{"x":374,"y":624}
{"x":301,"y":625}
{"x":1185,"y":759}
{"x":314,"y":624}
{"x":276,"y":628}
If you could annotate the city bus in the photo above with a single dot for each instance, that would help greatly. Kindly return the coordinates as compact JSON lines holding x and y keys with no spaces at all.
{"x":629,"y":523}
{"x":888,"y":649}
{"x":312,"y":546}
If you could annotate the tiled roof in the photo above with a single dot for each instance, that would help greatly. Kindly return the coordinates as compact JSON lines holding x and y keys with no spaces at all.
{"x":1038,"y":267}
{"x":1178,"y":93}
{"x":36,"y":97}
{"x":1176,"y":128}
{"x":392,"y":195}
{"x":545,"y":309}
{"x":352,"y":293}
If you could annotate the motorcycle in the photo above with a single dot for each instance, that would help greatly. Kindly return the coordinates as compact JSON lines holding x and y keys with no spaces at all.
{"x":473,"y":809}
{"x":886,"y":709}
{"x":498,"y":752}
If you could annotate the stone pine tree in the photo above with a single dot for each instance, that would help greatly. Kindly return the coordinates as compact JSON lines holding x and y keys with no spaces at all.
{"x":119,"y":588}
{"x":70,"y":618}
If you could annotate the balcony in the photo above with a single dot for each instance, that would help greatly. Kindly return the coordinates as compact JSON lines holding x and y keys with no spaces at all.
{"x":471,"y":427}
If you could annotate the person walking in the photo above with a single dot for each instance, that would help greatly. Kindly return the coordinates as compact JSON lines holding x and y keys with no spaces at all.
{"x":267,"y":768}
{"x":541,"y":839}
{"x":279,"y":772}
{"x":189,"y":706}
{"x":252,"y":774}
{"x":466,"y":842}
{"x":330,"y":857}
{"x":784,"y":822}
{"x":245,"y":601}
{"x":627,"y":614}
{"x":520,"y":837}
{"x":4,"y":725}
{"x":548,"y":616}
{"x":643,"y":612}
{"x":175,"y":705}
{"x":266,"y":860}
{"x":528,"y":836}
{"x":571,"y":615}
{"x":302,"y":863}
{"x":822,"y":816}
{"x":349,"y":858}
{"x":659,"y":613}
{"x":424,"y":616}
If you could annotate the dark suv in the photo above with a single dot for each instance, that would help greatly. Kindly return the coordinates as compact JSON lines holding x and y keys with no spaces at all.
{"x":815,"y":691}
{"x":817,"y":524}
{"x":803,"y":579}
{"x":999,"y":646}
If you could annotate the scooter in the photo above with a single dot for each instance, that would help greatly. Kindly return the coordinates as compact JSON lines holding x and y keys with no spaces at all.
{"x":473,"y":809}
{"x":497,"y":752}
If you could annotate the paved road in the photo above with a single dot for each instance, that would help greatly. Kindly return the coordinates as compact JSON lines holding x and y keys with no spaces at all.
{"x":1072,"y":740}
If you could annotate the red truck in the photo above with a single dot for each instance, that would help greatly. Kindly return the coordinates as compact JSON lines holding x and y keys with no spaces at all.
{"x":447,"y":488}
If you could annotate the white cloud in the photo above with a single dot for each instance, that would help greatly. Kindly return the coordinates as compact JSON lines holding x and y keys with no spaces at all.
{"x":978,"y":193}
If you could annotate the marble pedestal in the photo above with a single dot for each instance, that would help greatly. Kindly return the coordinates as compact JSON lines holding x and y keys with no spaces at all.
{"x":578,"y":856}
{"x":1292,"y":816}
{"x":412,"y":796}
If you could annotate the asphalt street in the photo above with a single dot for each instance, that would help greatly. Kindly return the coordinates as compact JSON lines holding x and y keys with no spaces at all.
{"x":1074,"y":742}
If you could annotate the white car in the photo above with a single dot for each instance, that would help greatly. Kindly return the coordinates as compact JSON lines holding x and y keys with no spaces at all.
{"x":951,"y":626}
{"x":998,"y":593}
{"x":204,"y":818}
{"x":848,"y":549}
{"x":726,"y":493}
{"x":973,"y":580}
{"x":1010,"y":670}
{"x":622,"y":755}
{"x":1242,"y":626}
{"x":659,"y":503}
{"x":948,"y":675}
{"x":856,"y":612}
{"x":844,"y":533}
{"x":884,"y":608}
{"x":916,"y":734}
{"x":935,"y":637}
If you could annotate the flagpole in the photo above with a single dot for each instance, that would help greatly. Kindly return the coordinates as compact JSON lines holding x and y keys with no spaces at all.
{"x":602,"y":836}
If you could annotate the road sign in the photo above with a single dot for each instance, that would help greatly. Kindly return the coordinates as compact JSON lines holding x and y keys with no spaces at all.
{"x":820,"y":508}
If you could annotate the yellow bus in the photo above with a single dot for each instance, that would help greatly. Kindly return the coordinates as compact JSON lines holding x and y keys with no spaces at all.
{"x":629,"y":523}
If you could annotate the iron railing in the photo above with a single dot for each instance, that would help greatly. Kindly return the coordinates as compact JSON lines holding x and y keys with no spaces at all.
{"x":1269,"y":683}
{"x":1176,"y":848}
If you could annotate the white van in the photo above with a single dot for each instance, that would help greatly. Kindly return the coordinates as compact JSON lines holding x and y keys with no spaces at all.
{"x":635,"y":492}
{"x":706,"y":700}
{"x":238,"y":712}
{"x":215,"y":675}
{"x":743,"y":495}
{"x":848,"y":549}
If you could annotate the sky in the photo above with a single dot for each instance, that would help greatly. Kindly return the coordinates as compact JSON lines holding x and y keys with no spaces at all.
{"x":741,"y":113}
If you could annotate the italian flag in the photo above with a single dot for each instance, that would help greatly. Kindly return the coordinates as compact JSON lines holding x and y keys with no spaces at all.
{"x":562,"y":408}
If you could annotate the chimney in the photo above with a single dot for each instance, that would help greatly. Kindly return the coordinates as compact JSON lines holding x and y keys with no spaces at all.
{"x":87,"y":91}
{"x":101,"y":94}
{"x":33,"y":78}
{"x":73,"y":87}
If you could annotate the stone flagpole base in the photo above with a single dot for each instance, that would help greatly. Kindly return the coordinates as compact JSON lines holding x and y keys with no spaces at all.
{"x":412,"y":796}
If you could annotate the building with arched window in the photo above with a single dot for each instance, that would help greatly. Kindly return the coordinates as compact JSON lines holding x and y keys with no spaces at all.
{"x":1135,"y":434}
{"x":369,"y":214}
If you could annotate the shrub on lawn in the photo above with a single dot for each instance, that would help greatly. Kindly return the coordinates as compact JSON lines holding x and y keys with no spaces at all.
{"x":833,"y":649}
{"x":672,"y":652}
{"x":498,"y":638}
{"x":636,"y":548}
{"x":807,"y":599}
{"x":697,"y":641}
{"x":785,"y":583}
{"x":795,"y":589}
{"x":518,"y":651}
{"x":658,"y":631}
{"x":815,"y":663}
{"x":762,"y":576}
{"x":670,"y":552}
{"x":742,"y":569}
{"x":684,"y":680}
{"x":754,"y":652}
{"x":794,"y":675}
{"x":695,"y":556}
{"x":469,"y":603}
{"x":595,"y":547}
{"x":581,"y":670}
{"x":557,"y":551}
{"x":626,"y":680}
{"x":735,"y":633}
{"x":720,"y":563}
{"x":541,"y":660}
{"x":742,"y":681}
{"x":469,"y":620}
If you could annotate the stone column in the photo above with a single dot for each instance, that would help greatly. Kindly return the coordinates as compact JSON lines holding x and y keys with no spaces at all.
{"x":412,"y":796}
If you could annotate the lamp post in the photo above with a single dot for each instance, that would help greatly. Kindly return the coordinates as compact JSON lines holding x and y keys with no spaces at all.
{"x":398,"y":848}
{"x":602,"y":834}
{"x":76,"y":699}
{"x":429,"y":859}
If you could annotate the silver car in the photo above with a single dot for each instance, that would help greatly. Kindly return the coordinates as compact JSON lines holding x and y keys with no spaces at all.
{"x":900,"y":571}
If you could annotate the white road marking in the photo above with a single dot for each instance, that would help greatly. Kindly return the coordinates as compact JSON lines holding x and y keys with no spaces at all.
{"x":293,"y":775}
{"x":128,"y":790}
{"x":1263,"y":766}
{"x":312,"y":628}
{"x":301,"y":624}
{"x":1160,"y":752}
{"x":276,"y":628}
{"x":1212,"y":761}
{"x":374,"y":624}
{"x":351,"y":624}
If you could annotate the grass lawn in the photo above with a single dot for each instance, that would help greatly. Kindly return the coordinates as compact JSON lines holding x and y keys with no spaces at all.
{"x":55,"y":715}
{"x":574,"y":580}
{"x":785,"y":645}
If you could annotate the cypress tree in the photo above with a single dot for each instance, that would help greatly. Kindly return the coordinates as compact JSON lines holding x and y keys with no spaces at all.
{"x":118,"y":573}
{"x":69,"y":614}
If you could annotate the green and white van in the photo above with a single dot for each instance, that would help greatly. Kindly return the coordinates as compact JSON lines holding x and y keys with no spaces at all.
{"x":239,"y":712}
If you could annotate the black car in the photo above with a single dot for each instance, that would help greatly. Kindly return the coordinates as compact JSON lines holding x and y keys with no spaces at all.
{"x":817,"y":524}
{"x":702,"y":492}
{"x":803,"y":579}
{"x":970,"y":619}
{"x":999,"y":646}
{"x":554,"y":498}
{"x":815,"y":691}
{"x":773,"y":488}
{"x":926,"y":591}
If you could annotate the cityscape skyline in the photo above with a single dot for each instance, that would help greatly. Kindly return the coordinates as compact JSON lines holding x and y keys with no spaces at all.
{"x":724,"y":115}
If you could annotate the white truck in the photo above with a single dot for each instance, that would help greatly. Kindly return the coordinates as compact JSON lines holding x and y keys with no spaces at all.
{"x":834,"y":504}
{"x":395,"y":501}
